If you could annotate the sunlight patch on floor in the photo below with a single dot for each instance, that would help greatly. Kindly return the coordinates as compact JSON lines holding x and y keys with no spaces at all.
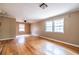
{"x":23,"y":35}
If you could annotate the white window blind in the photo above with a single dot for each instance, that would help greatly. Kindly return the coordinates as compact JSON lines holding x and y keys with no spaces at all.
{"x":59,"y":25}
{"x":55,"y":25}
{"x":21,"y":27}
{"x":48,"y":26}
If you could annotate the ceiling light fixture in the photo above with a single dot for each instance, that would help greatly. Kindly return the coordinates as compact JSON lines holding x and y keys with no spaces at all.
{"x":25,"y":21}
{"x":43,"y":5}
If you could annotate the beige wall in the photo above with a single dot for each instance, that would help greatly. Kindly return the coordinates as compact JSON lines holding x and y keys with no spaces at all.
{"x":7,"y":27}
{"x":27,"y":28}
{"x":71,"y":28}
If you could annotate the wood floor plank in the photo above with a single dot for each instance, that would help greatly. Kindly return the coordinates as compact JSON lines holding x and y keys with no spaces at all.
{"x":31,"y":45}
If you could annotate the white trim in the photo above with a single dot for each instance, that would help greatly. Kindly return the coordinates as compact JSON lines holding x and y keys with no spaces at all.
{"x":7,"y":38}
{"x":60,"y":41}
{"x":7,"y":16}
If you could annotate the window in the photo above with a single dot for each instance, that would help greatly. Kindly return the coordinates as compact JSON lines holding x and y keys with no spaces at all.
{"x":49,"y":26}
{"x":55,"y":26}
{"x":59,"y":25}
{"x":21,"y":27}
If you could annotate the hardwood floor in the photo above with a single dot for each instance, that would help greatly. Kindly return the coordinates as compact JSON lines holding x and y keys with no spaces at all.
{"x":30,"y":45}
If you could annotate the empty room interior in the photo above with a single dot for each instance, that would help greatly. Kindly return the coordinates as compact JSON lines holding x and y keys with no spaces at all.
{"x":39,"y":28}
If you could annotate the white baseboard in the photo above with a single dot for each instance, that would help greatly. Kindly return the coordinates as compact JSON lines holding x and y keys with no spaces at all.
{"x":7,"y":38}
{"x":60,"y":41}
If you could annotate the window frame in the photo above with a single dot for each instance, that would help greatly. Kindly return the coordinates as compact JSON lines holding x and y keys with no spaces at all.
{"x":53,"y":25}
{"x":48,"y":26}
{"x":63,"y":26}
{"x":21,"y":27}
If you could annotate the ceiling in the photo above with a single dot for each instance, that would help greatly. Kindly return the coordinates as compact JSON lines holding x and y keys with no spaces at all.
{"x":32,"y":12}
